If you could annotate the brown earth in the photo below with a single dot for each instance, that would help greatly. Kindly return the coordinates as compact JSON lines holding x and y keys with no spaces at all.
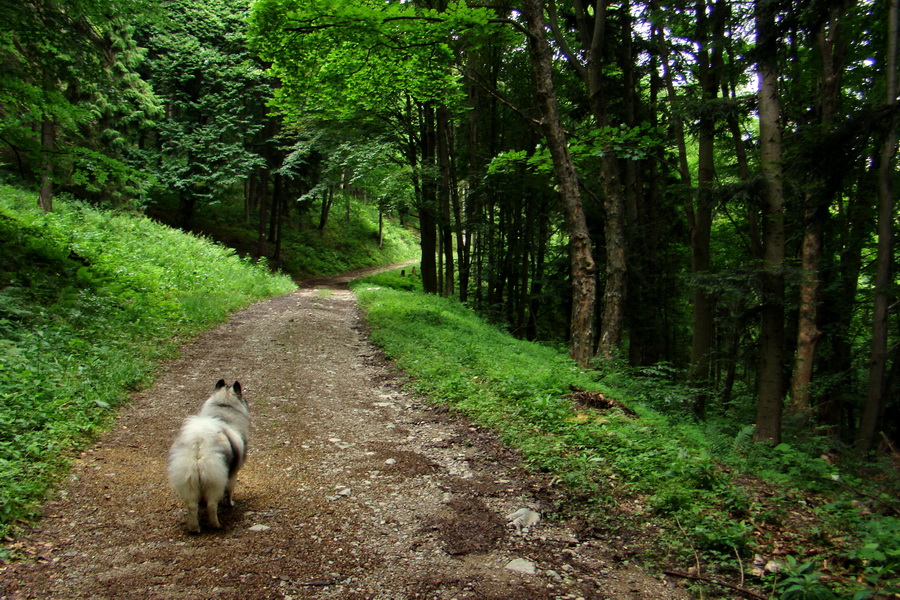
{"x":354,"y":488}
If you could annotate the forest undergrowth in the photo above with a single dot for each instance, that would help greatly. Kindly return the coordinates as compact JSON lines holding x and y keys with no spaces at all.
{"x":699,"y":499}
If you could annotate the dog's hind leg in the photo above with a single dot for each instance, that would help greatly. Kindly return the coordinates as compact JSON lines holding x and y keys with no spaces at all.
{"x":213,"y":497}
{"x":193,"y":516}
{"x":229,"y":491}
{"x":212,"y":514}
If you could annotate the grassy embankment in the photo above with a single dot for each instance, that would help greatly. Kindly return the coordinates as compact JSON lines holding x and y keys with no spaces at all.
{"x":700,"y":498}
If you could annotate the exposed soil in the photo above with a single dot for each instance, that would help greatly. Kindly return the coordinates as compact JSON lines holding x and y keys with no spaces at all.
{"x":354,"y":488}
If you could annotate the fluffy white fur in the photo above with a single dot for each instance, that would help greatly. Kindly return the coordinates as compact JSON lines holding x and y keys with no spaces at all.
{"x":210,"y":449}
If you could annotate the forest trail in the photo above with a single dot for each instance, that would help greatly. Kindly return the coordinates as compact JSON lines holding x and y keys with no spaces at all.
{"x":353,"y":489}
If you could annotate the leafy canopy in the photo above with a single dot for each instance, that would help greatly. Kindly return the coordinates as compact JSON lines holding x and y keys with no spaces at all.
{"x":345,"y":59}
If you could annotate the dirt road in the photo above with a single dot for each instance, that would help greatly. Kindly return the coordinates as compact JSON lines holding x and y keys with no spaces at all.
{"x":353,"y":488}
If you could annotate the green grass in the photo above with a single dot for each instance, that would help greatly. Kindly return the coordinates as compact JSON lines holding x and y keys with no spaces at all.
{"x":682,"y":491}
{"x":90,"y":302}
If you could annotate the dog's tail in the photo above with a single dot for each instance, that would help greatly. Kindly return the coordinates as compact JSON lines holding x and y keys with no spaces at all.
{"x":200,"y":461}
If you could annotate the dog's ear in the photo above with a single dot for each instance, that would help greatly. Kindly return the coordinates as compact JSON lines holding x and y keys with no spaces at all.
{"x":220,"y":384}
{"x":237,"y":387}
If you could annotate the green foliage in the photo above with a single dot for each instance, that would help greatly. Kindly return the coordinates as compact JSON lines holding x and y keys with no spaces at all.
{"x":198,"y":62}
{"x":345,"y":59}
{"x":73,"y":65}
{"x":803,"y":582}
{"x":878,"y":558}
{"x":621,"y":140}
{"x":89,"y":302}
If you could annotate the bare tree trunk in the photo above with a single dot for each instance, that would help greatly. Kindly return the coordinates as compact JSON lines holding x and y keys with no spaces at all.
{"x":770,"y":399}
{"x":48,"y":144}
{"x":583,"y":269}
{"x":281,"y":200}
{"x":443,"y":150}
{"x":428,"y":236}
{"x":462,"y":241}
{"x":249,"y":190}
{"x":830,"y":45}
{"x":808,"y":333}
{"x":380,"y":227}
{"x":875,"y":390}
{"x":262,"y":196}
{"x":592,"y":40}
{"x":276,"y":208}
{"x":711,"y":31}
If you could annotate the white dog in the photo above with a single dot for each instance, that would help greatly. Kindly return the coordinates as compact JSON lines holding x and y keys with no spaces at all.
{"x":208,"y":452}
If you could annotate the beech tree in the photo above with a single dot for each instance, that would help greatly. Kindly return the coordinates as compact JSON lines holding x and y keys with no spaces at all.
{"x":876,"y":387}
{"x":769,"y":404}
{"x":580,"y":248}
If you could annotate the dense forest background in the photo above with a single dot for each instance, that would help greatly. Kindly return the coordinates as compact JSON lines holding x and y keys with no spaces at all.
{"x":701,"y":189}
{"x":693,"y":199}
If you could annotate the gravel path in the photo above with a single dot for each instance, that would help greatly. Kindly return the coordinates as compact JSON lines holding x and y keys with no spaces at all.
{"x":353,"y":487}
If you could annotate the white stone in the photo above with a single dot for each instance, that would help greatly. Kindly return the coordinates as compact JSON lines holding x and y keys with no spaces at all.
{"x":520,"y":565}
{"x":523,"y":519}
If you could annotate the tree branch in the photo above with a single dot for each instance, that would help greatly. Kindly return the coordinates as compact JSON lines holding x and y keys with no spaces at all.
{"x":531,"y":121}
{"x":553,"y":21}
{"x":713,"y":580}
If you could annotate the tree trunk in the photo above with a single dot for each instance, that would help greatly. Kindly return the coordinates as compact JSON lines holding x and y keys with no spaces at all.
{"x":808,"y":333}
{"x":428,"y":236}
{"x":279,"y":198}
{"x":830,"y":45}
{"x":583,"y":269}
{"x":592,"y":38}
{"x":443,"y":150}
{"x":262,"y":197}
{"x":249,"y":192}
{"x":770,"y":399}
{"x":48,"y":145}
{"x":327,"y":201}
{"x":711,"y":31}
{"x":875,"y":389}
{"x":380,"y":227}
{"x":462,"y":240}
{"x":276,"y":208}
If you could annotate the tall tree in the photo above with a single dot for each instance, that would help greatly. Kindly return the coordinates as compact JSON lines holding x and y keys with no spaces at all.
{"x":825,"y":183}
{"x":876,"y":387}
{"x":588,"y":63}
{"x":580,"y":252}
{"x":711,"y":23}
{"x":770,"y":399}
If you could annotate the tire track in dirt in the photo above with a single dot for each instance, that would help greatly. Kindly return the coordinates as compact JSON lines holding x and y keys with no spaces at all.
{"x":353,"y":488}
